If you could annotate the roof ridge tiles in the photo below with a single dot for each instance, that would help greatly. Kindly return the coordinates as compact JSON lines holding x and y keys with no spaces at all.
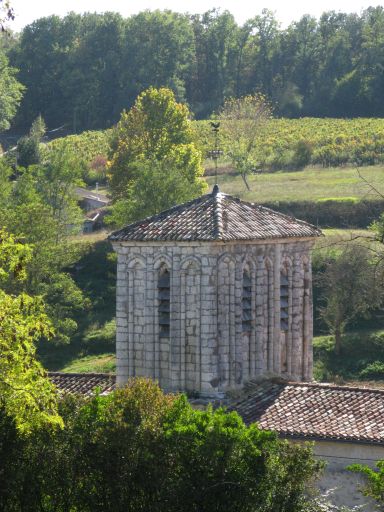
{"x":218,"y":214}
{"x":80,"y":374}
{"x":324,"y":385}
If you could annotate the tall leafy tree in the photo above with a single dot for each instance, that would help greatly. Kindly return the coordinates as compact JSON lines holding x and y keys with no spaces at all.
{"x":155,"y":128}
{"x":158,"y":52}
{"x":157,"y":186}
{"x":216,"y":45}
{"x":26,"y":394}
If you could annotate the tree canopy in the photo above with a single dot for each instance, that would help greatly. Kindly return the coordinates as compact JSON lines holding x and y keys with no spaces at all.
{"x":81,"y":71}
{"x":11,"y":92}
{"x":139,"y":449}
{"x":154,"y":163}
{"x":26,"y":395}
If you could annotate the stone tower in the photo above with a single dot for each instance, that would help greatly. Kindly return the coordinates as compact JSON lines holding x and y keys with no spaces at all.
{"x":212,"y":293}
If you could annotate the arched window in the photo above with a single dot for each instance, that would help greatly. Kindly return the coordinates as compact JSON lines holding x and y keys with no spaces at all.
{"x":164,"y":291}
{"x":284,"y":298}
{"x":247,"y":302}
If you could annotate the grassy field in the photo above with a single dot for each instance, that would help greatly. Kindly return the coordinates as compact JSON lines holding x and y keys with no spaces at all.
{"x":102,"y":363}
{"x":311,"y":184}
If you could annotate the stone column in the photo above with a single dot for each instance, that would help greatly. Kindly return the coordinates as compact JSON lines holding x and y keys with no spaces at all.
{"x":297,"y":317}
{"x":275,"y":311}
{"x":209,"y":344}
{"x":237,"y":361}
{"x":121,"y":318}
{"x":175,"y":327}
{"x":260,"y":336}
{"x":308,"y":320}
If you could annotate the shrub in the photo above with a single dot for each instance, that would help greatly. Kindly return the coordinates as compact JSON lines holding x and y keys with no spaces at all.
{"x":303,"y":154}
{"x":373,"y":370}
{"x":141,"y":450}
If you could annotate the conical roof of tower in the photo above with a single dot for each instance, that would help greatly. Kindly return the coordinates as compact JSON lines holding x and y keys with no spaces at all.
{"x":215,"y":217}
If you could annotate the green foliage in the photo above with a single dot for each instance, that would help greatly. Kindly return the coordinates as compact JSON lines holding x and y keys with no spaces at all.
{"x":88,"y":144}
{"x":325,"y":142}
{"x":158,"y":186}
{"x":373,"y":370}
{"x":102,"y":363}
{"x":138,"y":449}
{"x":95,"y":275}
{"x":361,"y":359}
{"x":303,"y":154}
{"x":336,"y":212}
{"x":11,"y":92}
{"x":351,"y":287}
{"x":375,"y":479}
{"x":41,"y":206}
{"x":28,"y":147}
{"x":83,"y":70}
{"x":242,"y":120}
{"x":154,"y":163}
{"x":26,"y":395}
{"x":28,"y":151}
{"x":156,"y":128}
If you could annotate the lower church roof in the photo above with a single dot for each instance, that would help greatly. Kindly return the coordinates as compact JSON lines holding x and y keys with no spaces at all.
{"x":299,"y":410}
{"x":315,"y":411}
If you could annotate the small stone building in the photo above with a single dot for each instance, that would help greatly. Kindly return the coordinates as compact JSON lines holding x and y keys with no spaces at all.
{"x":213,"y":293}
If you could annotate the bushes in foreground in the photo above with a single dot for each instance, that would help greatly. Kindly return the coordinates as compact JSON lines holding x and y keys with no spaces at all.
{"x":140,"y":450}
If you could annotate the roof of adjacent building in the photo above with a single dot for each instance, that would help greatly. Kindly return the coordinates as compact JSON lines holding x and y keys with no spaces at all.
{"x":215,"y":217}
{"x":315,"y":411}
{"x":83,"y":383}
{"x":293,"y":409}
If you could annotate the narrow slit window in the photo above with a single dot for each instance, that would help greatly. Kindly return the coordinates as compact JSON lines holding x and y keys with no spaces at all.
{"x":247,"y":302}
{"x":164,"y":293}
{"x":284,"y":301}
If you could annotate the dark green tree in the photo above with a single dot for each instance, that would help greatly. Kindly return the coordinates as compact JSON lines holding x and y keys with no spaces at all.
{"x":139,"y":449}
{"x":28,"y":147}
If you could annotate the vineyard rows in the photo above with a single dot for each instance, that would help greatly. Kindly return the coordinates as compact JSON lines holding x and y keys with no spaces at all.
{"x":330,"y":142}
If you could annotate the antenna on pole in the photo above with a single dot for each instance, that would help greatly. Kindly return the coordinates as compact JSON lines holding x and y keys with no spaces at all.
{"x":216,"y":152}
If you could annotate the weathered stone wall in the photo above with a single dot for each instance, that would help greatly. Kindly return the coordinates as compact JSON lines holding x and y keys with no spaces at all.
{"x":208,"y":349}
{"x":342,"y":486}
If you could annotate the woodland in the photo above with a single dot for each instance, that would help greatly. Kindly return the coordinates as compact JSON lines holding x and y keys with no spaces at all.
{"x":81,"y":71}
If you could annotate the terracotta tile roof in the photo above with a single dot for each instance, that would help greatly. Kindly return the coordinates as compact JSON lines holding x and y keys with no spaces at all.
{"x":83,"y":383}
{"x":315,"y":411}
{"x":216,"y":216}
